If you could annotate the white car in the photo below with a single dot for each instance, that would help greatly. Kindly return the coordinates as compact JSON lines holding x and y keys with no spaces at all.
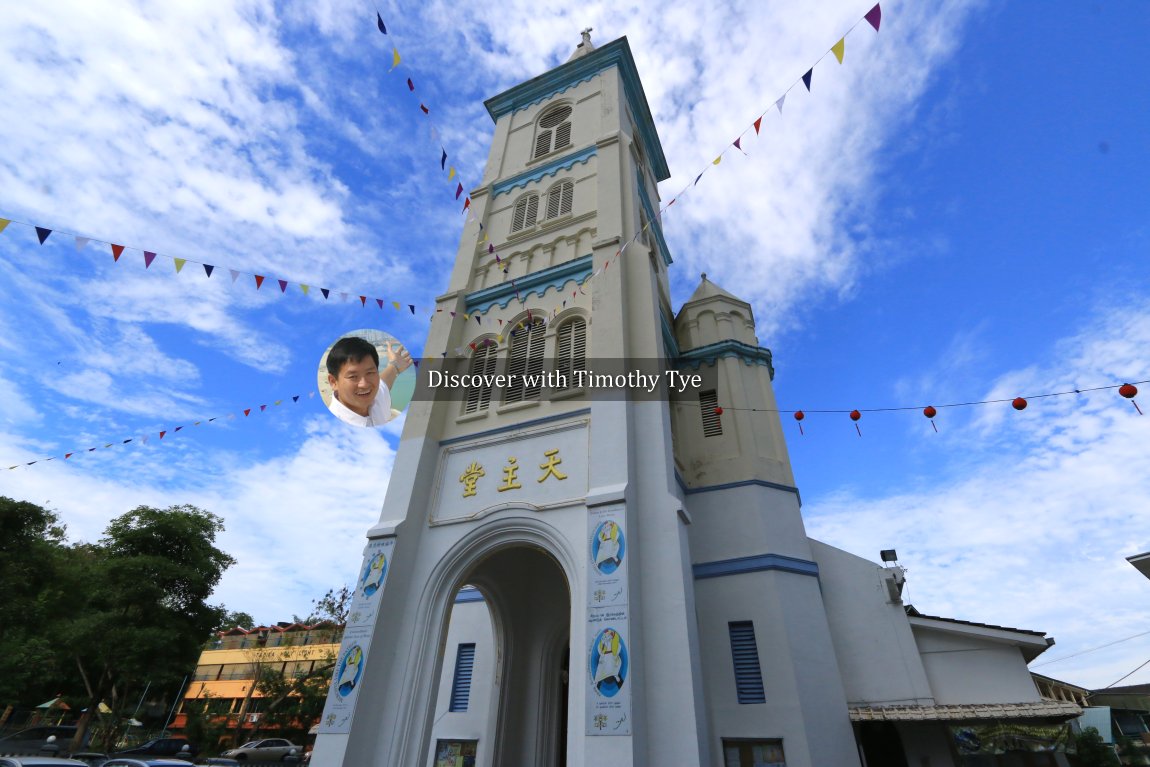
{"x":266,"y":750}
{"x":39,"y":761}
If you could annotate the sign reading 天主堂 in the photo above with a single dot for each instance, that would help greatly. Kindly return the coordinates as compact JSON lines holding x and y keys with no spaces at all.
{"x":352,"y":659}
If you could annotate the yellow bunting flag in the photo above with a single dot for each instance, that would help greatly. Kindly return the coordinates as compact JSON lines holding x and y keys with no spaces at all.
{"x":396,"y":305}
{"x":839,"y":48}
{"x":180,"y":263}
{"x":451,"y":173}
{"x":717,"y":160}
{"x":4,"y":224}
{"x":304,"y":288}
{"x":394,"y":58}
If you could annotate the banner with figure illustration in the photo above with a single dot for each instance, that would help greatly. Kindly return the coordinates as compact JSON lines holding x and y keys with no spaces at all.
{"x":352,"y":659}
{"x":607,"y":663}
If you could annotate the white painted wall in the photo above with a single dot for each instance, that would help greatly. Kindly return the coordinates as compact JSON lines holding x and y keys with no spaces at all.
{"x":967,"y":669}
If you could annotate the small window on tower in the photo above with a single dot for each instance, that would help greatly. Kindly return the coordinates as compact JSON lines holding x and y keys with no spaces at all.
{"x":482,"y":364}
{"x":708,"y":407}
{"x":559,"y":199}
{"x":525,"y":363}
{"x":526,"y":212}
{"x":570,"y":352}
{"x":554,"y":131}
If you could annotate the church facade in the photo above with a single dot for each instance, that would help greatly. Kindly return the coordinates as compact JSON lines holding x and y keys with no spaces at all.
{"x":572,"y":572}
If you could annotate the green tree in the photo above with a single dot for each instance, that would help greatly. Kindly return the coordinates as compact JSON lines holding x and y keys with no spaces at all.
{"x":146,"y":614}
{"x":32,"y":552}
{"x":1092,"y":752}
{"x":237,"y":619}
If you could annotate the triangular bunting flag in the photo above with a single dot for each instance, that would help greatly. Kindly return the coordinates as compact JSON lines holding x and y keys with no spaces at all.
{"x":697,"y":179}
{"x":343,"y":296}
{"x":283,"y":285}
{"x":178,"y":428}
{"x":839,"y":48}
{"x":380,"y":302}
{"x":263,"y":408}
{"x":478,"y":319}
{"x":411,"y":307}
{"x":179,"y":262}
{"x":235,"y":274}
{"x":394,"y":58}
{"x":208,"y":269}
{"x":737,"y":142}
{"x":807,"y":78}
{"x":117,"y":251}
{"x":874,"y":16}
{"x":4,"y":223}
{"x":162,"y":434}
{"x":443,"y":159}
{"x":81,"y":242}
{"x":396,"y":305}
{"x":295,"y":398}
{"x":43,"y":233}
{"x":325,"y":292}
{"x":247,"y":412}
{"x":67,"y":456}
{"x":277,"y":402}
{"x":379,"y":23}
{"x":304,"y":288}
{"x":466,"y":203}
{"x":779,"y":103}
{"x":451,"y":173}
{"x":758,"y":124}
{"x":363,"y":300}
{"x":424,"y":108}
{"x":458,"y":191}
{"x":149,"y":257}
{"x":410,"y":85}
{"x":259,"y":281}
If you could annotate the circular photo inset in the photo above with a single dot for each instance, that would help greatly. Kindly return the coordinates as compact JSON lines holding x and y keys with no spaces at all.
{"x":366,"y":378}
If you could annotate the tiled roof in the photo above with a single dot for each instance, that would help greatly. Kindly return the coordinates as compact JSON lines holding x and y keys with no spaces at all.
{"x":913,"y":613}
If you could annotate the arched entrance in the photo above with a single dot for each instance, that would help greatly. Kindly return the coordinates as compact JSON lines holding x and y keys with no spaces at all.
{"x":529,"y":604}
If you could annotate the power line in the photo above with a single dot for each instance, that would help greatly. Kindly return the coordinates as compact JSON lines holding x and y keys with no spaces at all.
{"x":1107,"y":687}
{"x":1092,"y":649}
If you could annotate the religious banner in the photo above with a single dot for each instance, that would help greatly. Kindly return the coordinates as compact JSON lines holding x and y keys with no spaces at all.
{"x":352,"y":659}
{"x":607,"y":575}
{"x":608,"y":670}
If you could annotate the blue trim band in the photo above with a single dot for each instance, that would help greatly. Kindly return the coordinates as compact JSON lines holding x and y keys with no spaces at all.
{"x":550,"y":169}
{"x":670,"y":343}
{"x":755,"y":564}
{"x":616,"y":53}
{"x":514,"y":427}
{"x":468,"y":595}
{"x":655,"y":225}
{"x":731,"y":485}
{"x":536,"y":282}
{"x":752,"y":355}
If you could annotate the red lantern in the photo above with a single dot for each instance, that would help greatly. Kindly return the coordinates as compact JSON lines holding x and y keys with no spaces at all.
{"x":1129,"y":391}
{"x":799,"y":416}
{"x":718,"y":411}
{"x":930,"y":413}
{"x":855,"y":415}
{"x":1019,"y":403}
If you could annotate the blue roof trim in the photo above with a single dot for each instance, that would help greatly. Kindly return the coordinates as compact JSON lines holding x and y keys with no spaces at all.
{"x":550,"y":169}
{"x":514,"y":427}
{"x":616,"y":53}
{"x":755,"y":564}
{"x":655,"y":225}
{"x":731,"y":485}
{"x":752,"y":355}
{"x":468,"y":595}
{"x":670,"y":344}
{"x":536,"y":282}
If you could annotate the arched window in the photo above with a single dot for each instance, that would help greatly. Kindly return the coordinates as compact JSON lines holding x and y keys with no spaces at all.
{"x":526,"y":211}
{"x":482,"y":364}
{"x":559,"y":199}
{"x":554,"y":131}
{"x":525,"y":364}
{"x":570,"y":352}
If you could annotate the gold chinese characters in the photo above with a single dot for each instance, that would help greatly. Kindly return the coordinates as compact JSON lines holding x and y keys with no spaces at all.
{"x":550,"y":468}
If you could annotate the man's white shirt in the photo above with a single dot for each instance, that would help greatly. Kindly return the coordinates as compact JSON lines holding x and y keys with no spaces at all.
{"x":379,"y":414}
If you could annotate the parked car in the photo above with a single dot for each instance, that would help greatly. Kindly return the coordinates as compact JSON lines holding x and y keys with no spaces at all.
{"x":144,"y":761}
{"x":266,"y":750}
{"x":38,"y":761}
{"x":169,"y":747}
{"x":33,"y":739}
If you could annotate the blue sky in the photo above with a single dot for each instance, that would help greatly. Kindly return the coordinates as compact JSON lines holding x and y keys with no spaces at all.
{"x":958,"y":212}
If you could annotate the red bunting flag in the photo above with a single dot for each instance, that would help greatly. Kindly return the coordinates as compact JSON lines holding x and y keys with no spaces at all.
{"x":247,"y":412}
{"x":424,"y":108}
{"x":758,"y":124}
{"x":117,"y":251}
{"x":363,"y":301}
{"x":259,"y":281}
{"x":162,"y":434}
{"x":466,"y":203}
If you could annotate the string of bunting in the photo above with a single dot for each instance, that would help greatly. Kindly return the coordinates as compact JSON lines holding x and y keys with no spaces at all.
{"x":873,"y":17}
{"x":43,"y":233}
{"x":1126,"y":390}
{"x":444,"y":166}
{"x":169,"y":432}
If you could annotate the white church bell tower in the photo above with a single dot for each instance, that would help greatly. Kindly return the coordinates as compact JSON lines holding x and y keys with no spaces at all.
{"x":650,"y":592}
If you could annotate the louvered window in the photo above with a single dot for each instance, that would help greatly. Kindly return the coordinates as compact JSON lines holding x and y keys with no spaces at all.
{"x":482,"y":364}
{"x":559,"y":199}
{"x":708,"y":401}
{"x":554,"y":131}
{"x":525,"y":364}
{"x":526,"y":212}
{"x":461,"y":683}
{"x":745,"y":653}
{"x":570,"y":352}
